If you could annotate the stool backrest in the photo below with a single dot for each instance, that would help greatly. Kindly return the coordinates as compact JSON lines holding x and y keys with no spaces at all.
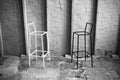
{"x":88,"y":27}
{"x":31,"y":27}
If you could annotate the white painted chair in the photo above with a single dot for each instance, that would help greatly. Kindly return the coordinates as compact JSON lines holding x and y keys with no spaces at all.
{"x":37,"y":35}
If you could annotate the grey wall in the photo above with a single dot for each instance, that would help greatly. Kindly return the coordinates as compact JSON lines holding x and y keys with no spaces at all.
{"x":36,"y":12}
{"x":12,"y":27}
{"x":82,"y":12}
{"x":59,"y":26}
{"x":107,"y":27}
{"x":58,"y":23}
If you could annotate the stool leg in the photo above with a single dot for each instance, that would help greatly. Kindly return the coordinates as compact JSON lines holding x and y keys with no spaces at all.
{"x":49,"y":55}
{"x":43,"y":51}
{"x":48,"y":49}
{"x":43,"y":62}
{"x":42,"y":45}
{"x":77,"y":49}
{"x":29,"y":61}
{"x":72,"y":47}
{"x":85,"y":45}
{"x":29,"y":50}
{"x":36,"y":45}
{"x":91,"y":47}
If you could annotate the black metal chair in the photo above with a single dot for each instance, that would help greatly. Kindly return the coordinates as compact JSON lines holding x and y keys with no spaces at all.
{"x":87,"y":32}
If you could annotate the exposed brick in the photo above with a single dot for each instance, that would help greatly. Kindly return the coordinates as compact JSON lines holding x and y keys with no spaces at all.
{"x":36,"y":13}
{"x":107,"y":24}
{"x":81,"y":13}
{"x":57,"y":16}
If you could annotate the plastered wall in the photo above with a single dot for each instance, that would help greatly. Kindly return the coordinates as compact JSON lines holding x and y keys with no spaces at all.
{"x":12,"y":28}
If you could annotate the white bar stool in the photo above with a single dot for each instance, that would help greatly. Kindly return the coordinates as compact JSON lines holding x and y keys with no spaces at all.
{"x":32,"y":31}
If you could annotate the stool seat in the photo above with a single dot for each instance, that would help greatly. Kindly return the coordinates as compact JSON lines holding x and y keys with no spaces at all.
{"x":38,"y":33}
{"x":81,"y":33}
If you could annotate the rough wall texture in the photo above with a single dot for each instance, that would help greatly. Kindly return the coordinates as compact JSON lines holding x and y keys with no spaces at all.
{"x":36,"y":13}
{"x":107,"y":25}
{"x":11,"y":27}
{"x":82,"y":12}
{"x":58,"y":26}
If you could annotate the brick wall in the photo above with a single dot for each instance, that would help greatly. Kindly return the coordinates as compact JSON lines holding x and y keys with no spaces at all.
{"x":107,"y":25}
{"x":58,"y":26}
{"x":58,"y":23}
{"x":82,"y":12}
{"x":36,"y":13}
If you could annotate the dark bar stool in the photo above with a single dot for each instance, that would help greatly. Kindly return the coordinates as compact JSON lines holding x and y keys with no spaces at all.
{"x":87,"y":32}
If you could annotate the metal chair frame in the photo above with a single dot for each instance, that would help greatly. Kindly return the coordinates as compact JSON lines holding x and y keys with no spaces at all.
{"x":85,"y":34}
{"x":36,"y":33}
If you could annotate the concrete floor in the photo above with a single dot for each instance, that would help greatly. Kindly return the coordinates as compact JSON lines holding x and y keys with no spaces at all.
{"x":59,"y":68}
